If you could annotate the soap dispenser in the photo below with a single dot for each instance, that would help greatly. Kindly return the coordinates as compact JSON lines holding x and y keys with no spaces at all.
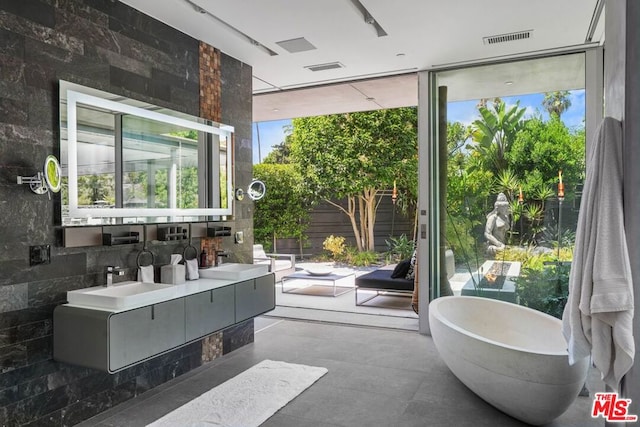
{"x":203,"y":259}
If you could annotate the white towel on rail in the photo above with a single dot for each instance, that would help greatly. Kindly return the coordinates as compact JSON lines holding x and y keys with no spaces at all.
{"x":145,"y":274}
{"x":597,"y":319}
{"x":192,"y":269}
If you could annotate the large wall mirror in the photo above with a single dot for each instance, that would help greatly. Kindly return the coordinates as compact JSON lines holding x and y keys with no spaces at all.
{"x":125,"y":161}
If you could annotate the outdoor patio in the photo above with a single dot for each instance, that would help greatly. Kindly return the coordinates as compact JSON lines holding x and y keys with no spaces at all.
{"x":310,"y":299}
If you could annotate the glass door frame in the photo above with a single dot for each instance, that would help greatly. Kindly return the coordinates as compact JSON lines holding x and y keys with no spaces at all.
{"x":428,"y":194}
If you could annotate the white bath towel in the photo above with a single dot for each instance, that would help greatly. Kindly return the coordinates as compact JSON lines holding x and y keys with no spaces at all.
{"x":192,"y":269}
{"x":597,"y":319}
{"x":145,"y":274}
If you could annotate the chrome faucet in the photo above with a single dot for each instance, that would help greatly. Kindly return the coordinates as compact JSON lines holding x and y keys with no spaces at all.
{"x":219,"y":256}
{"x":110,"y":271}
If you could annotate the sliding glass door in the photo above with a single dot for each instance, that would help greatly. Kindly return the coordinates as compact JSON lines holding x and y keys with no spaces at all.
{"x":502,"y":166}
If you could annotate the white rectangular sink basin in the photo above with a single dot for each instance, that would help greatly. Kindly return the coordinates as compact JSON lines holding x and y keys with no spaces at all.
{"x":121,"y":295}
{"x":235,"y":271}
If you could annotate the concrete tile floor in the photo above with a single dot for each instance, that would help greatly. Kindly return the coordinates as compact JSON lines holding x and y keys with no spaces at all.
{"x":377,"y":377}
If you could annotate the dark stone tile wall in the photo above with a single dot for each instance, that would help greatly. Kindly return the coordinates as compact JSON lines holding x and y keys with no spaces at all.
{"x":236,"y":93}
{"x":237,"y":336}
{"x":110,"y":46}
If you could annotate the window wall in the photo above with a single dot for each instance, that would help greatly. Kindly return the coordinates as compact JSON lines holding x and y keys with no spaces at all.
{"x":502,"y":166}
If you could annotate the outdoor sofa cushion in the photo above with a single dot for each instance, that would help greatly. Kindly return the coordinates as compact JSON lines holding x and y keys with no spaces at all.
{"x":280,"y":265}
{"x":381,"y":279}
{"x":401,"y":270}
{"x":280,"y":261}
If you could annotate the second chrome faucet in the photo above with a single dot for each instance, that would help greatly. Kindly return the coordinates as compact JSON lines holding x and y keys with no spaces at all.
{"x":110,"y":270}
{"x":219,"y":257}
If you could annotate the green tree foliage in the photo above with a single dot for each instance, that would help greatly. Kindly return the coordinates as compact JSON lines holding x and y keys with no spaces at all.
{"x":281,"y":152}
{"x":134,"y":186}
{"x":530,"y":160}
{"x":96,"y":188}
{"x":556,"y":102}
{"x":495,"y":132}
{"x":540,"y":150}
{"x":468,"y":189}
{"x":187,"y":181}
{"x":284,"y":210}
{"x":468,"y":183}
{"x":457,"y":135}
{"x":355,"y":157}
{"x":101,"y":188}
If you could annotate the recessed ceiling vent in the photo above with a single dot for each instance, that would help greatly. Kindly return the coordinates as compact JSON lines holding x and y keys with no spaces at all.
{"x":509,"y":37}
{"x":324,"y":67}
{"x":296,"y":45}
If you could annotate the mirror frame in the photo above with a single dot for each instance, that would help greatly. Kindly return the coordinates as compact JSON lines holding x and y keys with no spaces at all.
{"x":256,"y":190}
{"x":74,"y":97}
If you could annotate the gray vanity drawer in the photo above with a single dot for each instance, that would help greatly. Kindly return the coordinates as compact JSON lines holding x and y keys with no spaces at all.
{"x":208,"y":312}
{"x":112,"y":341}
{"x":144,"y":332}
{"x":254,"y":297}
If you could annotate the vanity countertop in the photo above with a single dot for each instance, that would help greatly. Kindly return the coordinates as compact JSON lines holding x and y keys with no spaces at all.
{"x":191,"y":287}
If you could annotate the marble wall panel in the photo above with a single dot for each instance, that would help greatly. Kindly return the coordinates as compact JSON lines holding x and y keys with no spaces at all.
{"x":13,"y":297}
{"x":237,"y":336}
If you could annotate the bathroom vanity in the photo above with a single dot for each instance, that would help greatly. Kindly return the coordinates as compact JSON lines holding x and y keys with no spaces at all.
{"x":156,"y":170}
{"x":112,"y":339}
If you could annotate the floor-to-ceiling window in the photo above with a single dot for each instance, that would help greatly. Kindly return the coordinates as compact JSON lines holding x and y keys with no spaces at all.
{"x":505,"y":158}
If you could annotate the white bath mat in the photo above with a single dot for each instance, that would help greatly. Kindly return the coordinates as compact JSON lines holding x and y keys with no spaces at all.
{"x":246,"y":400}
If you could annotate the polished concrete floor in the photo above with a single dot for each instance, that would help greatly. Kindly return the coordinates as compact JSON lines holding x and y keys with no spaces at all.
{"x":377,"y":377}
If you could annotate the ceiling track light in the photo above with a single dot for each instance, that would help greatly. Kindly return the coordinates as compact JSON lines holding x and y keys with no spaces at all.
{"x":368,"y":18}
{"x":233,"y":29}
{"x":196,"y":7}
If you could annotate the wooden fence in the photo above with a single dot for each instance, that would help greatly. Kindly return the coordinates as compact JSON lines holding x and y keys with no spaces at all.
{"x":328,"y":220}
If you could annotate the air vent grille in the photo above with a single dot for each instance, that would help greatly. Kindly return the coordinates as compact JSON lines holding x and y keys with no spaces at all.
{"x":509,"y":37}
{"x":324,"y":67}
{"x":296,"y":45}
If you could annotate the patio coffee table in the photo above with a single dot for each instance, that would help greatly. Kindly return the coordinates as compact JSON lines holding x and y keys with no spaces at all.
{"x":333,"y":278}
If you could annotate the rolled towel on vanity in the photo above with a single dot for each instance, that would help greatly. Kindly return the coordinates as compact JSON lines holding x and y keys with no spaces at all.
{"x":192,"y":269}
{"x":145,"y":274}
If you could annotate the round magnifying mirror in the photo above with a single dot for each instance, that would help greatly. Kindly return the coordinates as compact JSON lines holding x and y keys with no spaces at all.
{"x":256,"y":190}
{"x":52,"y":173}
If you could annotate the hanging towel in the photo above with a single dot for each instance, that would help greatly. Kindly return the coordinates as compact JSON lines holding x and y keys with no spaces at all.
{"x":145,"y":274}
{"x":597,"y":319}
{"x":192,"y":269}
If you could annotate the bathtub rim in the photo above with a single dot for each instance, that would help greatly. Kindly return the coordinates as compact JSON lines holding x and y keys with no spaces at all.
{"x":435,"y":312}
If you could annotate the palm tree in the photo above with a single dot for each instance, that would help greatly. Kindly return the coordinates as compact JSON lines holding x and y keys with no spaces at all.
{"x":556,"y":102}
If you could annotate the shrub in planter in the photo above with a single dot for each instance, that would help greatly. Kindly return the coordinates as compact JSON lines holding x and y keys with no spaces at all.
{"x":399,"y":248}
{"x":544,"y":289}
{"x":361,"y":258}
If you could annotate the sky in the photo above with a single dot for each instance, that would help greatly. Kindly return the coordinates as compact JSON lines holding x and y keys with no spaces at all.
{"x":270,"y":134}
{"x":273,"y":132}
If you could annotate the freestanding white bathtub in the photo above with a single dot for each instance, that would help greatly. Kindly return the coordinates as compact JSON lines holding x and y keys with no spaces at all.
{"x":513,"y":357}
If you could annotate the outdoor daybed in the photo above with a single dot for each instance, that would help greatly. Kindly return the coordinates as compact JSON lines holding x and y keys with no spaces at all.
{"x":381,"y":280}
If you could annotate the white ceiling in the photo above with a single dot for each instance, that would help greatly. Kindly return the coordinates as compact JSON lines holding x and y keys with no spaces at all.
{"x":421,"y":34}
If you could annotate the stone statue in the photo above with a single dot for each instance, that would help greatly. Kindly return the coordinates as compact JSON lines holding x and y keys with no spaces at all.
{"x":495,"y":230}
